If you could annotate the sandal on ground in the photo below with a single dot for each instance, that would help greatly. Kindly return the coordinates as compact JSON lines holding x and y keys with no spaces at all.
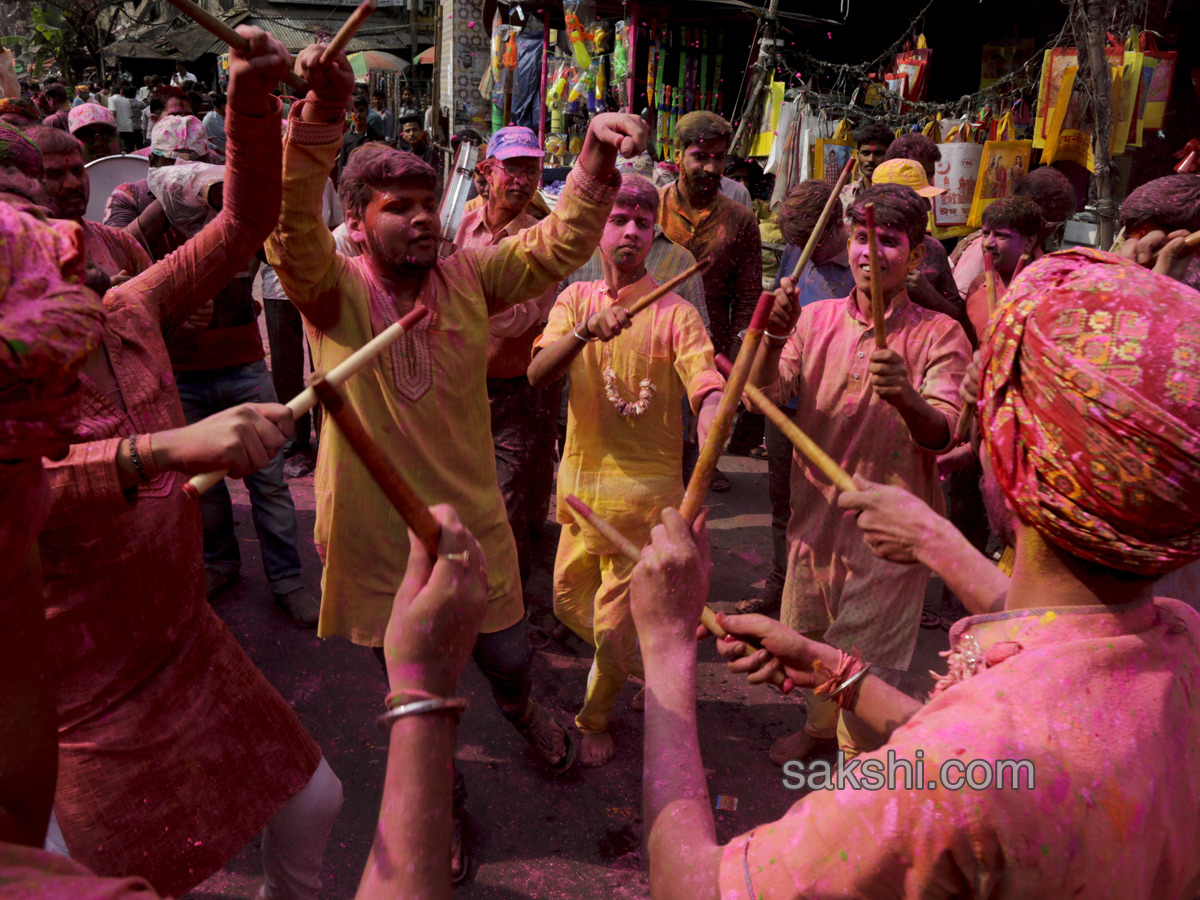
{"x":720,"y":482}
{"x":539,"y":729}
{"x":758,"y":453}
{"x":763,"y":606}
{"x":946,"y":619}
{"x":930,"y":618}
{"x":458,"y":849}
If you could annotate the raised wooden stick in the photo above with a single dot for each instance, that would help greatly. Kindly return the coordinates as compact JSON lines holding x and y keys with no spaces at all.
{"x":801,"y":441}
{"x":397,"y":489}
{"x":708,"y":618}
{"x":216,"y":27}
{"x":1191,"y":242}
{"x":876,"y":283}
{"x":814,"y":239}
{"x":642,"y":302}
{"x":718,"y":433}
{"x":307,"y":398}
{"x":348,"y":30}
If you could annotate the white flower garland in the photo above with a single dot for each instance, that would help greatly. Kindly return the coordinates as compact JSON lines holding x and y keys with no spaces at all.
{"x":624,"y":407}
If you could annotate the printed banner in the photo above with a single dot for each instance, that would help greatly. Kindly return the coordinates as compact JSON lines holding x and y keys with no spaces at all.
{"x":1001,"y":165}
{"x":957,"y":171}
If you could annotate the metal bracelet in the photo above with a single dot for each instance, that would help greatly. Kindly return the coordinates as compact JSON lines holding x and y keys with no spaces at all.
{"x":454,"y":704}
{"x":849,"y":682}
{"x":781,"y":338}
{"x":580,"y":337}
{"x":136,"y":458}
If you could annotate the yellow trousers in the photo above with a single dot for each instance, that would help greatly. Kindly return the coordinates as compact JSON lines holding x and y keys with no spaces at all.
{"x":591,"y":597}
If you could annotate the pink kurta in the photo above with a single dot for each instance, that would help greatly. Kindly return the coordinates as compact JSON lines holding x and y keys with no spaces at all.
{"x":174,"y":750}
{"x":834,"y":583}
{"x":113,"y":251}
{"x":1101,"y":700}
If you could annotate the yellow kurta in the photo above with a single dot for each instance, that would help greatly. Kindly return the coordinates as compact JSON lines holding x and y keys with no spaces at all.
{"x":629,"y":468}
{"x":426,"y":401}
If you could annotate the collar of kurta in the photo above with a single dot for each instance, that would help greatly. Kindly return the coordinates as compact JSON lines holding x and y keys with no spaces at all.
{"x":673,"y":204}
{"x":1030,"y":628}
{"x":631,"y":292}
{"x":897,"y":306}
{"x":476,"y":226}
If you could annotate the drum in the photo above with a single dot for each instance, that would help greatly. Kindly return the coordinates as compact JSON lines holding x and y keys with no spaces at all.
{"x":105,"y":174}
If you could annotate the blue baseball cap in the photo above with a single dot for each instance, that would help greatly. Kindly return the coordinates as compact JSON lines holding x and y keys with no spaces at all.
{"x":514,"y":140}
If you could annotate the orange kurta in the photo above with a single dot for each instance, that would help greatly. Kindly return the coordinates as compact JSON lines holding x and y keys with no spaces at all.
{"x":426,"y":400}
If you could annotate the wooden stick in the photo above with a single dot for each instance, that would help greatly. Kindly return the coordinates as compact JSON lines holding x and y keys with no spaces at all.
{"x":989,"y":279}
{"x":348,"y":30}
{"x":801,"y":441}
{"x":216,"y":27}
{"x":876,"y":284}
{"x":814,"y":239}
{"x":397,"y":489}
{"x":626,"y":547}
{"x":642,"y":302}
{"x":718,"y":433}
{"x":307,"y":398}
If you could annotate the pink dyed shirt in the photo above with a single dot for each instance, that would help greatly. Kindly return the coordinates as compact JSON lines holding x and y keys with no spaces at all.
{"x":834,"y":583}
{"x":1101,"y":701}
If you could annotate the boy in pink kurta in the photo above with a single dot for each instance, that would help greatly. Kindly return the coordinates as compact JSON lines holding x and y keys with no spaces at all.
{"x":624,"y":437}
{"x":884,"y":415}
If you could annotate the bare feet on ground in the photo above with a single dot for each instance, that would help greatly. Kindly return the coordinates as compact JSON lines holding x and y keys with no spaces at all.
{"x":596,"y":749}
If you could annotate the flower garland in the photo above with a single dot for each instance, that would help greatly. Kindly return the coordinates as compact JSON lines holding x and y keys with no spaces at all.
{"x":624,"y":407}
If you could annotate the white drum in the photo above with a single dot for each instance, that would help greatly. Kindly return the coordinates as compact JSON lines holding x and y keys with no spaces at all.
{"x":105,"y":174}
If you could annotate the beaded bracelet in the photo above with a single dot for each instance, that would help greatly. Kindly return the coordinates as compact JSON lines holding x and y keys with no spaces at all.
{"x":136,"y":458}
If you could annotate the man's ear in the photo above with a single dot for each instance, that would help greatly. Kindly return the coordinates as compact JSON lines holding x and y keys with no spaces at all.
{"x":915,"y":256}
{"x":1031,"y":243}
{"x":356,"y":228}
{"x":678,"y":157}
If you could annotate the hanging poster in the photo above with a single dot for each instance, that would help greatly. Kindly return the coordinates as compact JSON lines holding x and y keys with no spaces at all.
{"x":1160,"y":87}
{"x":1001,"y":165}
{"x":1001,"y":58}
{"x":829,"y":158}
{"x":1054,"y":65}
{"x":1137,"y":125}
{"x":1124,"y":100}
{"x":957,"y":171}
{"x":1067,"y":139}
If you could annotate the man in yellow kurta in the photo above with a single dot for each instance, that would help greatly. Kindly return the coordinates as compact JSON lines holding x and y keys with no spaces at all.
{"x":624,"y":437}
{"x":426,"y":399}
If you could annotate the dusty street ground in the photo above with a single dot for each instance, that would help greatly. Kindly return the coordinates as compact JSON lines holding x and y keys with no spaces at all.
{"x":533,"y":835}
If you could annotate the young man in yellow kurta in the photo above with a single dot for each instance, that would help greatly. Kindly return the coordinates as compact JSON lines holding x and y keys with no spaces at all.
{"x":624,"y":437}
{"x":425,"y":400}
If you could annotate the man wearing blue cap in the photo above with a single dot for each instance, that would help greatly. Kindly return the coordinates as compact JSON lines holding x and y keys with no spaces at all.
{"x":523,"y":417}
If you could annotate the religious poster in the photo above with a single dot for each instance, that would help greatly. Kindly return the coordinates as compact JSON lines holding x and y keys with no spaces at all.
{"x":957,"y":171}
{"x":1054,"y":66}
{"x":829,"y":158}
{"x":1160,"y":87}
{"x":1067,"y":138}
{"x":1001,"y":164}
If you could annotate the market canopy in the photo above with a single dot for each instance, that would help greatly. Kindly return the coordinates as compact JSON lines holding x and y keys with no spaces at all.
{"x":427,"y":57}
{"x":365,"y":60}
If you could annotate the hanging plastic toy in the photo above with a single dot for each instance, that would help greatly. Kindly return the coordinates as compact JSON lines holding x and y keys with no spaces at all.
{"x":577,"y":36}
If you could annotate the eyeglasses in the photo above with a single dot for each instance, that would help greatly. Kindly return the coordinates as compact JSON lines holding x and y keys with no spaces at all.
{"x":520,"y":172}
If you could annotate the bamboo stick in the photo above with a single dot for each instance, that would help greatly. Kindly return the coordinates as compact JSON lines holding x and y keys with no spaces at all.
{"x":814,"y":239}
{"x":989,"y":280}
{"x":394,"y":485}
{"x":216,"y":27}
{"x":710,"y":453}
{"x":347,"y":31}
{"x":642,"y":302}
{"x":823,"y":461}
{"x":307,"y":398}
{"x":876,"y":283}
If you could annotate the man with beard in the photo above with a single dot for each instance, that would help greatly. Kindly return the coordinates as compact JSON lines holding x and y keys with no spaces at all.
{"x":66,"y":189}
{"x":698,"y":217}
{"x":1078,"y":690}
{"x":428,"y":398}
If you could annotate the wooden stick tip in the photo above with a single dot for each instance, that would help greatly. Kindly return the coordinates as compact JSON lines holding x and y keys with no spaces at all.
{"x":413,"y":316}
{"x":762,"y":312}
{"x":724,"y":366}
{"x":989,"y":264}
{"x":578,"y":505}
{"x":869,"y":213}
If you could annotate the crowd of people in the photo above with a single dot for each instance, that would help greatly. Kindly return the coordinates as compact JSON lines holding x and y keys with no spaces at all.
{"x":141,"y":749}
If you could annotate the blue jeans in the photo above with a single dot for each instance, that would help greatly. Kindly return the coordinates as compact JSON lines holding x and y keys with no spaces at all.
{"x":210,"y":391}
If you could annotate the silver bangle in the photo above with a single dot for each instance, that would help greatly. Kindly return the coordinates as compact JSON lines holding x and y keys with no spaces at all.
{"x":580,"y":337}
{"x":437,"y":704}
{"x":853,"y":679}
{"x":781,"y":338}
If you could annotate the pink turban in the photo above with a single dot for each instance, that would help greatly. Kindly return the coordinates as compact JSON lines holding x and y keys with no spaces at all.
{"x":1090,"y":406}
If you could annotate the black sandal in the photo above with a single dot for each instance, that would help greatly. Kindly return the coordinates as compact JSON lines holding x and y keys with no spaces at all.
{"x":458,"y":840}
{"x":538,"y":730}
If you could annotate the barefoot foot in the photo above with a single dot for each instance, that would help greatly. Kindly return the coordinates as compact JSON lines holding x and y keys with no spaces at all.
{"x":596,"y":749}
{"x":638,"y":703}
